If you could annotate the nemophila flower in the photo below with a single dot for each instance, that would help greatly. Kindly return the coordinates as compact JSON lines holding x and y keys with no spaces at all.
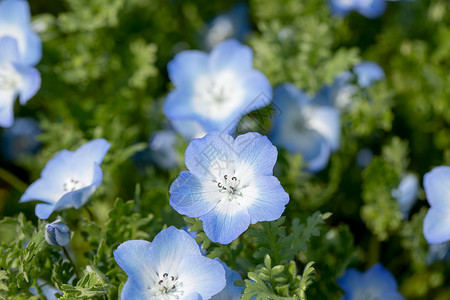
{"x":217,"y":89}
{"x":338,"y":94}
{"x":229,"y":184}
{"x":438,"y":253}
{"x":364,"y":157}
{"x":230,"y":291}
{"x":305,"y":126}
{"x":233,"y":23}
{"x":46,"y":289}
{"x":21,"y":139}
{"x":162,"y":149}
{"x":57,"y":233}
{"x":376,"y":283}
{"x":436,"y":225}
{"x":406,"y":193}
{"x":367,"y":8}
{"x":367,"y":72}
{"x":15,"y":23}
{"x":171,"y":267}
{"x":16,"y":79}
{"x":68,"y":179}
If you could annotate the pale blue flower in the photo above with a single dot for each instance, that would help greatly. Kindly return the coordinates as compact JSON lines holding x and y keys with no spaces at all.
{"x":229,"y":184}
{"x":364,"y":157}
{"x":16,"y":80}
{"x":21,"y":139}
{"x":15,"y":23}
{"x":162,"y":149}
{"x":438,"y":253}
{"x":406,"y":193}
{"x":170,"y":267}
{"x":375,"y":283}
{"x":367,"y":72}
{"x":48,"y":291}
{"x":233,"y":23}
{"x":436,"y":225}
{"x":305,"y":127}
{"x":231,"y":291}
{"x":217,"y":89}
{"x":68,"y":179}
{"x":57,"y":233}
{"x":367,"y":8}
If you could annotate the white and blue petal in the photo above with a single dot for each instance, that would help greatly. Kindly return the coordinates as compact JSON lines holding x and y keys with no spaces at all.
{"x":231,"y":54}
{"x":326,"y":121}
{"x":86,"y":157}
{"x":7,"y":107}
{"x":186,"y":66}
{"x":367,"y":72}
{"x":189,"y":129}
{"x":370,"y":8}
{"x":230,"y":292}
{"x":131,"y":291}
{"x":29,"y":84}
{"x":437,"y":187}
{"x":436,"y":225}
{"x":42,"y":190}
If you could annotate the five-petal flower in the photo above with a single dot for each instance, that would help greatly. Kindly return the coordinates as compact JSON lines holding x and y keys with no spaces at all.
{"x":436,"y":225}
{"x":375,"y":283}
{"x":215,"y":90}
{"x":68,"y":179}
{"x":229,"y":184}
{"x":305,"y":126}
{"x":16,"y":79}
{"x":171,"y":268}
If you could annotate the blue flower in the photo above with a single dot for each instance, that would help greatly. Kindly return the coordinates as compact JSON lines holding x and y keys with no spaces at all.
{"x":229,"y":184}
{"x":406,"y":193}
{"x":216,"y":90}
{"x":233,"y":23}
{"x":367,"y":72}
{"x":15,"y":23}
{"x":170,"y":267}
{"x":162,"y":149}
{"x":230,"y":292}
{"x":438,"y":253}
{"x":436,"y":225}
{"x":16,"y":79}
{"x":57,"y":233}
{"x":21,"y":139}
{"x":305,"y":126}
{"x":368,"y":8}
{"x":375,"y":283}
{"x":46,"y":289}
{"x":68,"y":179}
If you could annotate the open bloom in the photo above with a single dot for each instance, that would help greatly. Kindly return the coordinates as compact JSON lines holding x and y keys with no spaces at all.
{"x":375,"y":283}
{"x":68,"y":179}
{"x":215,"y":90}
{"x":15,"y":23}
{"x":436,"y":225}
{"x":16,"y":79}
{"x":229,"y":184}
{"x":305,"y":126}
{"x":368,"y":8}
{"x":230,"y":291}
{"x":171,"y":268}
{"x":162,"y":149}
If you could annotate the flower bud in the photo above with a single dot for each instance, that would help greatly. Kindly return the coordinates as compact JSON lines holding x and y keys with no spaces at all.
{"x":57,"y":234}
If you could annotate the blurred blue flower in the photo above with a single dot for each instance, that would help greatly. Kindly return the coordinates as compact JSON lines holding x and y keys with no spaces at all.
{"x":170,"y":267}
{"x":233,"y":23}
{"x":15,"y":23}
{"x":47,"y":290}
{"x":364,"y":157}
{"x":230,"y":292}
{"x":436,"y":225}
{"x":375,"y":283}
{"x":16,"y":79}
{"x":57,"y":233}
{"x":162,"y":149}
{"x":216,"y":90}
{"x":438,"y":253}
{"x":305,"y":126}
{"x":68,"y":179}
{"x":406,"y":193}
{"x":20,"y":139}
{"x":338,"y":94}
{"x":367,"y":72}
{"x":229,"y":184}
{"x":368,"y":8}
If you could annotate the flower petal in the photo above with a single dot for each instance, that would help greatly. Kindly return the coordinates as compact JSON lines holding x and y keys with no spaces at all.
{"x":29,"y":84}
{"x":186,"y":66}
{"x":437,"y":187}
{"x":380,"y":277}
{"x":436,"y":226}
{"x":231,"y":54}
{"x":131,"y":291}
{"x":226,"y":222}
{"x":7,"y":98}
{"x":189,"y":197}
{"x":201,"y":275}
{"x":371,"y":9}
{"x":56,"y":169}
{"x":269,"y":202}
{"x":350,"y":280}
{"x":15,"y":12}
{"x":177,"y":105}
{"x":41,"y":190}
{"x":368,"y":72}
{"x":43,"y":211}
{"x":326,"y":121}
{"x":86,"y":157}
{"x":189,"y":129}
{"x":319,"y":162}
{"x":9,"y":51}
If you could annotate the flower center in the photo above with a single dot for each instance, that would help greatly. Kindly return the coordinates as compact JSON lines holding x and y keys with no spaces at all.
{"x":6,"y":79}
{"x":231,"y":186}
{"x":71,"y":185}
{"x":168,"y":287}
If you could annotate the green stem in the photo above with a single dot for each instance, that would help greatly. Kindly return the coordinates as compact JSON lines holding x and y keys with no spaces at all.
{"x":374,"y":251}
{"x":71,"y":262}
{"x":12,"y":180}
